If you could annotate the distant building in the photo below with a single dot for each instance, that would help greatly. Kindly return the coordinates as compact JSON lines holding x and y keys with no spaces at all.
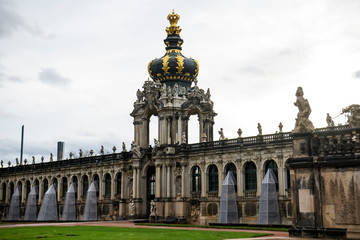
{"x":317,"y":169}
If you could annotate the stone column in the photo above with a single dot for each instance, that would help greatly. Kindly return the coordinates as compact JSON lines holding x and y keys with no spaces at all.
{"x":168,"y":181}
{"x":59,"y":185}
{"x":201,"y":127}
{"x":41,"y":191}
{"x":281,"y":180}
{"x":163,"y":181}
{"x":168,"y":121}
{"x":113,"y":184}
{"x":221,"y":179}
{"x":134,"y":182}
{"x":259,"y":178}
{"x":240,"y":183}
{"x":183,"y":180}
{"x":158,"y":181}
{"x":123,"y":184}
{"x":7,"y":200}
{"x":203,"y":182}
{"x":138,"y":183}
{"x":101,"y":186}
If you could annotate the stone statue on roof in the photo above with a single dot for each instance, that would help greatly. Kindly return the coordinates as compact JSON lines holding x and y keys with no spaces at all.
{"x":303,"y":124}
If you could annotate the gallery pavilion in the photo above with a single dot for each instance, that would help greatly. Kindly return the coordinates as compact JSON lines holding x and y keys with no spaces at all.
{"x":185,"y":180}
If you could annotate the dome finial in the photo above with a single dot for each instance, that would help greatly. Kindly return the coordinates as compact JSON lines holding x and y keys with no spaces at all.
{"x":174,"y":28}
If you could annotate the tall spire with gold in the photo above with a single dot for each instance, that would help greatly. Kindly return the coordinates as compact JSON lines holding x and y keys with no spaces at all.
{"x":174,"y":67}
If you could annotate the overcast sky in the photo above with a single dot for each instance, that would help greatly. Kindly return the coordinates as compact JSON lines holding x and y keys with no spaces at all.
{"x":69,"y":70}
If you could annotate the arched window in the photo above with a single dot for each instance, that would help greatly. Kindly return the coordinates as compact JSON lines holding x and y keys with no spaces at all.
{"x":19,"y":185}
{"x":213,"y":179}
{"x":196,"y":179}
{"x":46,"y":186}
{"x":55,"y":183}
{"x":118,"y":184}
{"x":231,"y":167}
{"x":85,"y":185}
{"x":36,"y":185}
{"x":272,"y":164}
{"x":75,"y":181}
{"x":288,"y":181}
{"x":64,"y":187}
{"x":11,"y":189}
{"x":96,"y":179}
{"x":107,"y":185}
{"x":27,"y":188}
{"x":4,"y":191}
{"x":250,"y":177}
{"x":150,"y":183}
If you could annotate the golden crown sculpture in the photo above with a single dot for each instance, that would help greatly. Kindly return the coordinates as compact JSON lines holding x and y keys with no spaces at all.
{"x":174,"y":28}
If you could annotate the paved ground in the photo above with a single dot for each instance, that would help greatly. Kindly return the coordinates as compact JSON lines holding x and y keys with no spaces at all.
{"x":275,"y":234}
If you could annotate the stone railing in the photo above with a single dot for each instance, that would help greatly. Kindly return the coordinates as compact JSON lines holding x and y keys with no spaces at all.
{"x":345,"y":141}
{"x":60,"y":164}
{"x":250,"y":194}
{"x":239,"y":142}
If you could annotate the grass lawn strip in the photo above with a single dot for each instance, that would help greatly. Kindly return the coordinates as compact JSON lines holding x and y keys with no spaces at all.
{"x":116,"y":233}
{"x":221,"y":227}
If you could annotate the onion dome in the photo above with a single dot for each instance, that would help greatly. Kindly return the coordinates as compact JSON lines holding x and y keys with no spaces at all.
{"x":174,"y":67}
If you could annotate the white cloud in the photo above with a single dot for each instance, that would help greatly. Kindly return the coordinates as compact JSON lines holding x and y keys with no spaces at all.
{"x":51,"y":77}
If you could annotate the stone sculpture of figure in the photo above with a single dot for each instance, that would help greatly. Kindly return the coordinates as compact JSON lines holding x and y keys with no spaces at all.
{"x":303,"y":124}
{"x":183,"y":92}
{"x":70,"y":155}
{"x":42,"y":159}
{"x":80,"y":153}
{"x":169,"y":94}
{"x":280,"y":127}
{"x":139,"y":95}
{"x":33,"y":159}
{"x":51,"y":157}
{"x":124,"y":147}
{"x":163,"y":90}
{"x":176,"y":90}
{"x":2,"y":163}
{"x":207,"y":95}
{"x":17,"y":161}
{"x":221,"y":133}
{"x":259,"y":128}
{"x":156,"y":143}
{"x":102,"y":150}
{"x":239,"y":132}
{"x":203,"y":137}
{"x":135,"y":149}
{"x":132,"y":207}
{"x":152,"y":208}
{"x":328,"y":120}
{"x":183,"y":138}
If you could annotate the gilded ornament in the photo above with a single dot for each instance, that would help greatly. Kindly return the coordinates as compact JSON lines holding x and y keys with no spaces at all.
{"x":165,"y":64}
{"x":150,"y":73}
{"x":174,"y":28}
{"x":197,"y":68}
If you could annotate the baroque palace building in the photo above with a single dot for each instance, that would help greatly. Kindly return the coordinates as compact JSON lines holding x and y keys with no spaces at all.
{"x":184,"y":180}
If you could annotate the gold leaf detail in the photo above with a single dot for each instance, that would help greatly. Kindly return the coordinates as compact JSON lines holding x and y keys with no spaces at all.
{"x":165,"y":64}
{"x":180,"y":63}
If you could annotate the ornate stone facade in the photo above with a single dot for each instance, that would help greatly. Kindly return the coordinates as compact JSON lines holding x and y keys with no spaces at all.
{"x":181,"y":181}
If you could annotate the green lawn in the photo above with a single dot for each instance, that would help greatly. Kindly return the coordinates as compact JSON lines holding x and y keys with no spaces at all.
{"x":97,"y":233}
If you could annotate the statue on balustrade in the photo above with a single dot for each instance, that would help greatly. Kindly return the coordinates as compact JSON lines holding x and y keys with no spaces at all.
{"x":303,"y":124}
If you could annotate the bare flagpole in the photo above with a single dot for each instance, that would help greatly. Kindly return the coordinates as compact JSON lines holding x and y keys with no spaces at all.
{"x":22,"y":144}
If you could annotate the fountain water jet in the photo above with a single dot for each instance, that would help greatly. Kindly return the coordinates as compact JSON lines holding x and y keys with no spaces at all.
{"x":90,"y":210}
{"x":14,"y":210}
{"x":31,"y":208}
{"x":48,"y":210}
{"x":69,"y":212}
